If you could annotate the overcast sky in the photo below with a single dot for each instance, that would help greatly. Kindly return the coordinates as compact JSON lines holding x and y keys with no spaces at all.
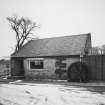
{"x":56,"y":18}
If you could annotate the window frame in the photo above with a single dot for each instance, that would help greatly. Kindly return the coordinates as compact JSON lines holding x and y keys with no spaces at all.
{"x":36,"y":60}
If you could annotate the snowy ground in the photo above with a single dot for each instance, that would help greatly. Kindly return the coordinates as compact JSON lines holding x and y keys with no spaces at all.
{"x":48,"y":94}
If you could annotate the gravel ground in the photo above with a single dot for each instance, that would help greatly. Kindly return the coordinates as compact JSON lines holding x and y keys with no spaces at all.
{"x":49,"y":93}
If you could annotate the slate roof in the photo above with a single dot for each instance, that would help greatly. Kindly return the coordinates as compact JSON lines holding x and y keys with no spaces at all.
{"x":58,"y":46}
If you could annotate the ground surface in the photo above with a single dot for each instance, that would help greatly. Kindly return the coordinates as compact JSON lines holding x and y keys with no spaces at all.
{"x":17,"y":93}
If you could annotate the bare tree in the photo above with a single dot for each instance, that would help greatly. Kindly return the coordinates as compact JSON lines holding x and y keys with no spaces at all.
{"x":98,"y":50}
{"x":103,"y":48}
{"x":23,"y":28}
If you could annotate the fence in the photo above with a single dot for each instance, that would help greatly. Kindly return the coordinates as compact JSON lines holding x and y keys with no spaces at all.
{"x":96,"y":65}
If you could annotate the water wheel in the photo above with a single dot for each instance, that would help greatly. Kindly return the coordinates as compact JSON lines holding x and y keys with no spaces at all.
{"x":77,"y":72}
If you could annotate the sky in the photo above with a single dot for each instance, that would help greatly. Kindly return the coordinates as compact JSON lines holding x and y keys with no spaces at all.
{"x":55,"y":18}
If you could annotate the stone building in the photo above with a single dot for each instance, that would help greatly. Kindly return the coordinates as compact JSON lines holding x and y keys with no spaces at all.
{"x":50,"y":57}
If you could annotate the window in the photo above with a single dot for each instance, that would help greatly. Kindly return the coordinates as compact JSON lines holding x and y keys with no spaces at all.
{"x":36,"y":64}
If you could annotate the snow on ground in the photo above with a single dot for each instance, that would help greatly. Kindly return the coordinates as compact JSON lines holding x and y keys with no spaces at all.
{"x":48,"y":94}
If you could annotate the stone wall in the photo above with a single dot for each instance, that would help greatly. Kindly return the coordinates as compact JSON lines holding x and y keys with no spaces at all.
{"x":49,"y":67}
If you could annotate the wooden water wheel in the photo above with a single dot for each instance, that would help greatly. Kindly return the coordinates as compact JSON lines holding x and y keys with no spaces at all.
{"x":77,"y":72}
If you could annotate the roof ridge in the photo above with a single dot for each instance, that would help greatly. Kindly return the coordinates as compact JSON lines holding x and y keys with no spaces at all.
{"x":61,"y":36}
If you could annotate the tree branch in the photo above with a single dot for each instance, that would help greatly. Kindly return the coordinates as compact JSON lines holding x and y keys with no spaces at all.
{"x":23,"y":28}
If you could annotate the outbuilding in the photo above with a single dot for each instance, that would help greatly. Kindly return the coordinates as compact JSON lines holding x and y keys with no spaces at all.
{"x":49,"y":57}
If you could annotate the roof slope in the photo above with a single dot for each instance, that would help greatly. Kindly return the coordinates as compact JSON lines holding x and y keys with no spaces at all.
{"x":58,"y":46}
